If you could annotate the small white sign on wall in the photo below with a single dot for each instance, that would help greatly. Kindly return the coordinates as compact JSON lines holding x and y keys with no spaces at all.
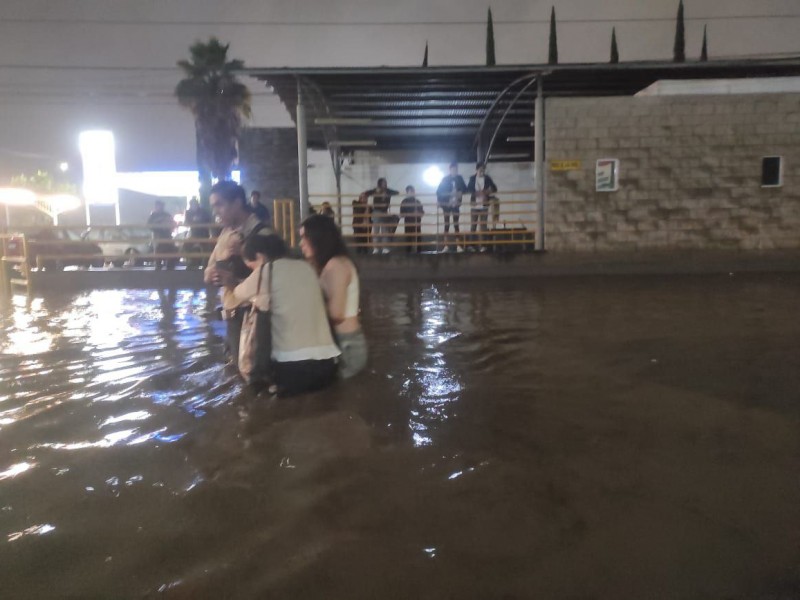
{"x":607,"y":175}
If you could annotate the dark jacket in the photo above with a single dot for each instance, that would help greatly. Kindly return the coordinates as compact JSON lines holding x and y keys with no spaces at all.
{"x":166,"y":223}
{"x":488,"y":185}
{"x":411,"y":210}
{"x":449,"y":185}
{"x":198,"y":216}
{"x":381,"y":198}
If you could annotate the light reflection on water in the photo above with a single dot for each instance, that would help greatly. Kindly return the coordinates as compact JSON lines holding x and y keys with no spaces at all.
{"x":494,"y":429}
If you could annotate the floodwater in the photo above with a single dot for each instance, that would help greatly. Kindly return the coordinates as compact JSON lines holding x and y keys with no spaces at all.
{"x":565,"y":438}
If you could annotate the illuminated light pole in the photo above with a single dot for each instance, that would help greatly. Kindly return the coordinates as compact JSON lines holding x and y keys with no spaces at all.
{"x":99,"y":171}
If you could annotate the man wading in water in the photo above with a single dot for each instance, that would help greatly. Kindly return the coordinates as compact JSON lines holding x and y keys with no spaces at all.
{"x":225,"y":265}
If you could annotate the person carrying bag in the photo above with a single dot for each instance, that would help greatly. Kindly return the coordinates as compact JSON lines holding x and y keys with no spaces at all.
{"x":293,"y":348}
{"x":255,"y":345}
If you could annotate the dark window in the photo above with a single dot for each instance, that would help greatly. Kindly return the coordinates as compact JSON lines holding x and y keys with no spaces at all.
{"x":771,"y":171}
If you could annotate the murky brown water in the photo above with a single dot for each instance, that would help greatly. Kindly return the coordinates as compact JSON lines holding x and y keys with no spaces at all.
{"x":591,"y":438}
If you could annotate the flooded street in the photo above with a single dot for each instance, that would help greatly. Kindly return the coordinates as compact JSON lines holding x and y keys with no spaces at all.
{"x":565,"y":438}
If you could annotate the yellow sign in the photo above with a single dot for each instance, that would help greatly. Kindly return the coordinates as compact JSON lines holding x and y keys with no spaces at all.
{"x":565,"y":165}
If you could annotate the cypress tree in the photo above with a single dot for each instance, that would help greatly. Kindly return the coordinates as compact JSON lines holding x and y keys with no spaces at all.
{"x":425,"y":58}
{"x":704,"y":49}
{"x":614,"y":51}
{"x":679,"y":50}
{"x":490,"y":60}
{"x":552,"y":55}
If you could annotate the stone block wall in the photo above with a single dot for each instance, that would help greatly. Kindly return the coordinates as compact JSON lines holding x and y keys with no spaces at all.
{"x":689,"y":172}
{"x":268,"y":163}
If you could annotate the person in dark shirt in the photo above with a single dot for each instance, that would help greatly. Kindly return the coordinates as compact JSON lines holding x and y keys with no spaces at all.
{"x":448,"y":196}
{"x":481,"y":189}
{"x":162,"y":226}
{"x":382,"y":222}
{"x":411,"y":210}
{"x":194,"y":216}
{"x":261,"y":211}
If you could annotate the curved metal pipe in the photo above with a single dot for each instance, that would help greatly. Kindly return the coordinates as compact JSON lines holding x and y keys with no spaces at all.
{"x":505,"y":114}
{"x":477,"y":139}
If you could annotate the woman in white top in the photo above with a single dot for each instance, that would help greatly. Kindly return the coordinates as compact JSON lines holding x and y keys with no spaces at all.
{"x":323,"y":247}
{"x":303,"y":350}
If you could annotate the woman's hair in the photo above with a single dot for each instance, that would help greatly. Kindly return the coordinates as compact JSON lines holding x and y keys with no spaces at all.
{"x":270,"y":245}
{"x":325,"y":239}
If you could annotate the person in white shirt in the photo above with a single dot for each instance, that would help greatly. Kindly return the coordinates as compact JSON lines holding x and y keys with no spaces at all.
{"x":323,"y":247}
{"x":225,"y":265}
{"x":304,"y":354}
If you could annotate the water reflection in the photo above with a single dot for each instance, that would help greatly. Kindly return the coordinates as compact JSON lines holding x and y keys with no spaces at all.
{"x":133,"y":464}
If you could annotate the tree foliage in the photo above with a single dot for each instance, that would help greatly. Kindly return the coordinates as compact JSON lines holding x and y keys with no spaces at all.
{"x":42,"y":182}
{"x":490,"y":57}
{"x":704,"y":49}
{"x":552,"y":54}
{"x":220,"y":104}
{"x":679,"y":48}
{"x":614,"y":51}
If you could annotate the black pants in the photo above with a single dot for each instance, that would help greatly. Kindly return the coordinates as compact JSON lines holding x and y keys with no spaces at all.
{"x":298,"y":377}
{"x":413,"y":237}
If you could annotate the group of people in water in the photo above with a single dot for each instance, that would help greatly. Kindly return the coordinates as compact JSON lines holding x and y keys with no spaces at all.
{"x":312,"y":302}
{"x":374,"y":225}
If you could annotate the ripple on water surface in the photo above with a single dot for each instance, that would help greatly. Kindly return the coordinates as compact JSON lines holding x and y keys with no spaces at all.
{"x":563,"y":439}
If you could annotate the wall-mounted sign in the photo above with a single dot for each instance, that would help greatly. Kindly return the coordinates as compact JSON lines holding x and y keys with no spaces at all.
{"x":607,"y":175}
{"x":565,"y":165}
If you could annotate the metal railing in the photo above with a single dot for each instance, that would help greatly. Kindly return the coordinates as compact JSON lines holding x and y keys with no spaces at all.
{"x":502,"y":222}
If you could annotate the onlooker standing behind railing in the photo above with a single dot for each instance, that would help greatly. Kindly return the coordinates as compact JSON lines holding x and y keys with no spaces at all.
{"x":163,"y":225}
{"x":481,"y":187}
{"x":448,"y":195}
{"x":260,"y":210}
{"x":362,"y":223}
{"x":411,"y":210}
{"x":197,"y":215}
{"x":381,"y":220}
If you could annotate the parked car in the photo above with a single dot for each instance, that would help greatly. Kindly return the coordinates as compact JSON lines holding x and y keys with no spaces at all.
{"x":121,"y":245}
{"x":60,"y":248}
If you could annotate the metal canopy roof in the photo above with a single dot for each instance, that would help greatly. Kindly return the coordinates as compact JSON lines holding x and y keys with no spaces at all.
{"x":444,"y":108}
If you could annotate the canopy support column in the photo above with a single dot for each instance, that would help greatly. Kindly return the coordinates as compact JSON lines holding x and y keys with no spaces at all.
{"x":538,"y":158}
{"x":302,"y":154}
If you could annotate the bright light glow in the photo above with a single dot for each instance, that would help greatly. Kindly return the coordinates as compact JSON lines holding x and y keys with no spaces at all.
{"x":42,"y":529}
{"x":99,"y":167}
{"x":61,"y":203}
{"x":64,"y":167}
{"x":15,"y":470}
{"x":17,"y":197}
{"x":433,"y":176}
{"x":182,"y":184}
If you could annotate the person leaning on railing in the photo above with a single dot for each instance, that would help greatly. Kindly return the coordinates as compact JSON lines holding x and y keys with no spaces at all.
{"x":226,"y":268}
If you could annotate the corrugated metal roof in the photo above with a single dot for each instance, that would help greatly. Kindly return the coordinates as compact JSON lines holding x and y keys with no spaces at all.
{"x":444,"y":107}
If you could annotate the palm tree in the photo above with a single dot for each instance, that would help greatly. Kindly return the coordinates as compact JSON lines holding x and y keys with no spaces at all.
{"x":220,"y":105}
